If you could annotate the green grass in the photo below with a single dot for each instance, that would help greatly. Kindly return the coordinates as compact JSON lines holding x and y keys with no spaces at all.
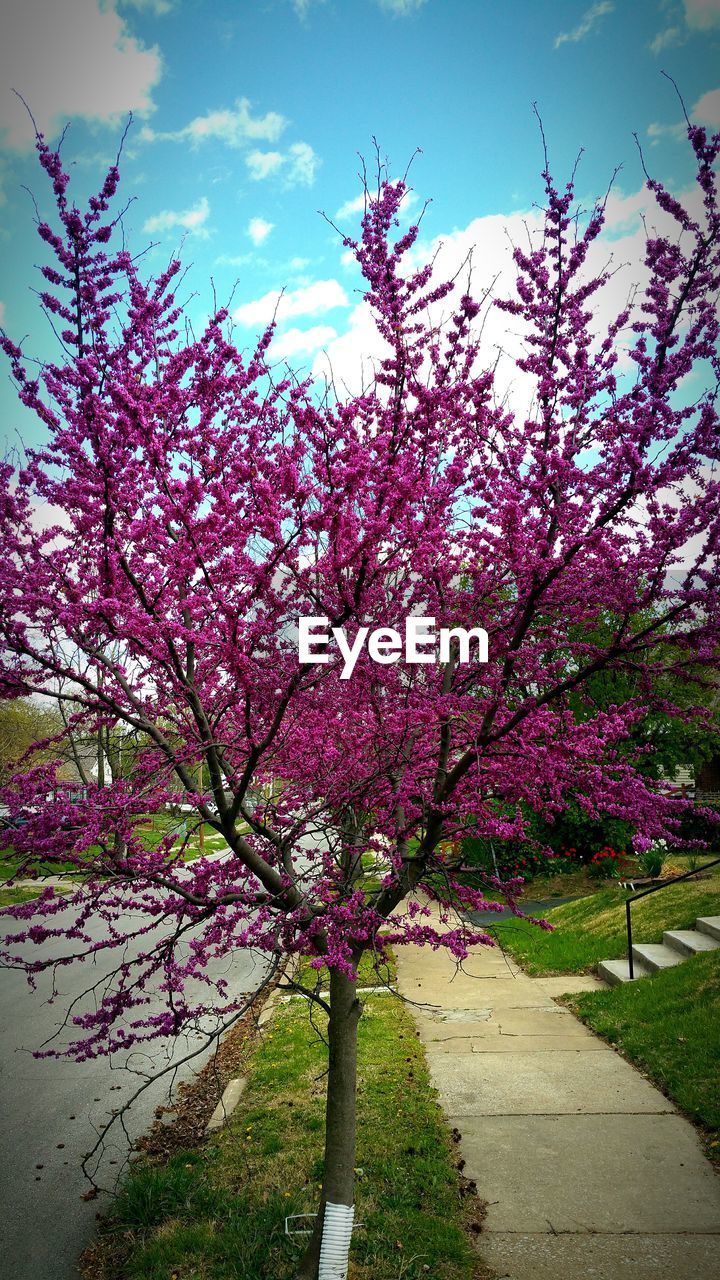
{"x":10,"y":861}
{"x":372,"y":972}
{"x":578,"y":883}
{"x":8,"y":897}
{"x":151,"y":832}
{"x":219,"y":1213}
{"x":668,"y":1025}
{"x":162,"y":824}
{"x":572,"y":884}
{"x":593,"y":928}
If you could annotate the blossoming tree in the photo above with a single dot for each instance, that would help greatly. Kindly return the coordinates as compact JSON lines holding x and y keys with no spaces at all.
{"x":197,"y":502}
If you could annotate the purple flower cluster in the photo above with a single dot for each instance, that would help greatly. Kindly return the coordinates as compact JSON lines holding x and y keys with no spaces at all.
{"x":202,"y":500}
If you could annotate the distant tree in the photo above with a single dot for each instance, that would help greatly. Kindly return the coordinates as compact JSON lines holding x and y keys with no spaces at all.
{"x":206,"y":501}
{"x":24,"y":725}
{"x":680,"y":725}
{"x":679,"y":728}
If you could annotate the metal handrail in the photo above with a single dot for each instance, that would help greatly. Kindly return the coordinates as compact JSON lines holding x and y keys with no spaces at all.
{"x":655,"y":888}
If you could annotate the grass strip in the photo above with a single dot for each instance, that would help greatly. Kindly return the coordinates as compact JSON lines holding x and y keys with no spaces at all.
{"x":668,"y":1024}
{"x":9,"y":897}
{"x":219,"y":1212}
{"x":593,"y":928}
{"x":372,"y":972}
{"x":151,"y":831}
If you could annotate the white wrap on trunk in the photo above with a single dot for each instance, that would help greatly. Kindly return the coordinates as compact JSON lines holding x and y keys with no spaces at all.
{"x":335,"y":1246}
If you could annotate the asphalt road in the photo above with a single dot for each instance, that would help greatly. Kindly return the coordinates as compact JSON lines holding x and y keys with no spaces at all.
{"x":50,"y":1112}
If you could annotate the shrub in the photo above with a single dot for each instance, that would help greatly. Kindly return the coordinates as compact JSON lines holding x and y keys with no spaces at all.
{"x":516,"y":858}
{"x":605,"y":864}
{"x":652,"y":860}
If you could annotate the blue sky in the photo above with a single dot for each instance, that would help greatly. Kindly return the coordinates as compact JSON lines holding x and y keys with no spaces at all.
{"x":248,"y":117}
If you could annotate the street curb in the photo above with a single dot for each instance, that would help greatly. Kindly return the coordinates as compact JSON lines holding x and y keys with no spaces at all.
{"x":227,"y":1104}
{"x":235,"y":1088}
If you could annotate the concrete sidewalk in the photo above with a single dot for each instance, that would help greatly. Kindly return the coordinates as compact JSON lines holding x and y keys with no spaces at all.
{"x":590,"y":1173}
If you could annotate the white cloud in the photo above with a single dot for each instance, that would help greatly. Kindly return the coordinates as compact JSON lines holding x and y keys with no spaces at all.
{"x":623,"y":212}
{"x":677,"y":131}
{"x":239,"y":128}
{"x":666,"y":39}
{"x":401,"y":8}
{"x":70,"y":59}
{"x":351,"y":207}
{"x":674,"y":498}
{"x":586,"y":25}
{"x":45,"y":516}
{"x":303,"y":163}
{"x":235,"y":259}
{"x":357,"y":205}
{"x":192,"y":220}
{"x":707,"y":110}
{"x":233,"y":127}
{"x":302,"y":342}
{"x":258,"y":230}
{"x":261,"y":164}
{"x":298,"y":164}
{"x":158,"y":7}
{"x":353,"y":355}
{"x":702,"y":14}
{"x":303,"y":7}
{"x":2,"y":312}
{"x":293,"y":268}
{"x":351,"y":359}
{"x":308,"y":300}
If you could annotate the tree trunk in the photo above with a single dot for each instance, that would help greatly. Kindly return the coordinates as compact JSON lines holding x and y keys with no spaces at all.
{"x":100,"y":759}
{"x":339,"y":1171}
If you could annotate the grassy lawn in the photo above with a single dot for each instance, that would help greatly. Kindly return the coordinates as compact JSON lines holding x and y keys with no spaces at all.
{"x":372,"y":972}
{"x":569,"y":884}
{"x":669,"y":1025}
{"x":162,"y":824}
{"x":578,"y":883}
{"x":8,"y":897}
{"x":151,"y":832}
{"x":219,"y":1212}
{"x":593,"y":928}
{"x":10,"y":861}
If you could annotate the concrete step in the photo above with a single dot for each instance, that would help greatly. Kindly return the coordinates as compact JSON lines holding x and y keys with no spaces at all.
{"x":676,"y":946}
{"x":616,"y":971}
{"x":655,"y":955}
{"x":709,"y":925}
{"x":689,"y":941}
